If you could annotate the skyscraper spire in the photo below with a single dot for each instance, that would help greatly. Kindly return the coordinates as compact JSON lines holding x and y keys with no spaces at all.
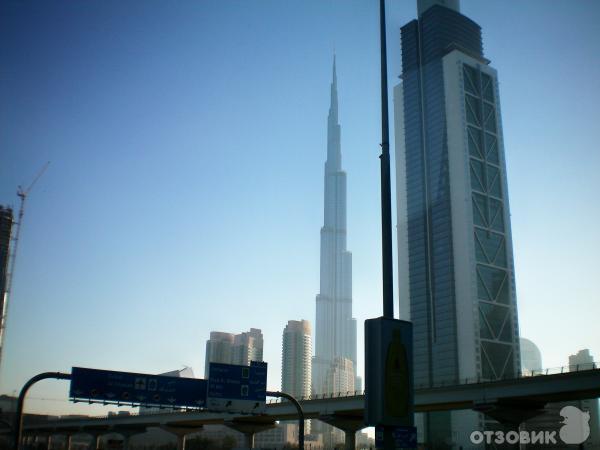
{"x":333,"y":109}
{"x":334,"y":153}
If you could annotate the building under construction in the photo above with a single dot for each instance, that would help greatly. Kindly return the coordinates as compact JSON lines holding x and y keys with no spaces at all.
{"x":6,"y":223}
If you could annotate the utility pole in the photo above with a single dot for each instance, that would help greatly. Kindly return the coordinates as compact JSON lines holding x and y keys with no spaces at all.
{"x":22,"y":194}
{"x":389,"y":394}
{"x":386,"y":195}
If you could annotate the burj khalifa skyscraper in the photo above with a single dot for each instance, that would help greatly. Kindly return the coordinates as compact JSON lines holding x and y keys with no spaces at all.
{"x":334,"y":363}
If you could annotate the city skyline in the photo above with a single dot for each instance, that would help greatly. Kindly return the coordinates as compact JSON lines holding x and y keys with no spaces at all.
{"x":123,"y":237}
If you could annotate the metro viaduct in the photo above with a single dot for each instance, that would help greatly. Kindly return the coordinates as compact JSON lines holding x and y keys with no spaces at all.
{"x":510,"y":401}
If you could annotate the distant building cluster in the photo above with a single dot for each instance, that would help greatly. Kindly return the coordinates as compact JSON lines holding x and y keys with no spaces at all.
{"x":229,"y":348}
{"x":551,"y":420}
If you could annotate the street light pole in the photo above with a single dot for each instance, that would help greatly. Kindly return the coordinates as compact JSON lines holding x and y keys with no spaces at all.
{"x":18,"y":427}
{"x":386,"y":198}
{"x":292,"y":399}
{"x":386,"y":195}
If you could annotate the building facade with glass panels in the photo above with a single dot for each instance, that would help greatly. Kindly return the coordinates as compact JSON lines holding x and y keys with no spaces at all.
{"x":456,"y":271}
{"x":6,"y":225}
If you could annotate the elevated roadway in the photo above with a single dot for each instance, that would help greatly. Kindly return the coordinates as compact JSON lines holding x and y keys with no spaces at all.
{"x":510,"y":401}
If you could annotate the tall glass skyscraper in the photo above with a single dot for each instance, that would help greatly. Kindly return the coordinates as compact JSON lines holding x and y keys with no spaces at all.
{"x":456,"y":271}
{"x":335,"y":336}
{"x":296,"y":355}
{"x":334,"y":363}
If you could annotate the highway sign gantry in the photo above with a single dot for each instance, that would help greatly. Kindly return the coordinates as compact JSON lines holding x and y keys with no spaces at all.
{"x":107,"y":386}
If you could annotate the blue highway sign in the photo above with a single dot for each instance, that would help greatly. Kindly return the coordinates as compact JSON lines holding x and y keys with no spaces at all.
{"x":235,"y":382}
{"x":404,"y":437}
{"x":107,"y":386}
{"x":236,"y":388}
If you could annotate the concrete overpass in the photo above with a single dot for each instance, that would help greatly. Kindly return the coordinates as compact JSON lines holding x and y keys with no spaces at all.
{"x":510,"y":401}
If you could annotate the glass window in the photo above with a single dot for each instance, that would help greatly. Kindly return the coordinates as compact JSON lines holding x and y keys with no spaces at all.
{"x":495,"y":315}
{"x":486,"y":368}
{"x":496,"y":215}
{"x":482,"y":290}
{"x":493,"y":179}
{"x":503,"y":294}
{"x":506,"y":334}
{"x":491,"y":148}
{"x":473,"y":108}
{"x":471,"y":80}
{"x":480,"y":210}
{"x":498,"y":355}
{"x":493,"y":281}
{"x":474,"y":142}
{"x":489,"y":115}
{"x":480,"y":255}
{"x":477,"y":182}
{"x":484,"y":330}
{"x":488,"y":87}
{"x":492,"y":247}
{"x":509,"y":368}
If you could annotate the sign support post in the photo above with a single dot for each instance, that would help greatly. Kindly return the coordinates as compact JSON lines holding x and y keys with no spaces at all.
{"x":21,"y":401}
{"x":300,"y":414}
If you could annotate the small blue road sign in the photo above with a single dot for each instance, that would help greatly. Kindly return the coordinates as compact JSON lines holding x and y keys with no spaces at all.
{"x":107,"y":386}
{"x":404,"y":437}
{"x":237,"y":388}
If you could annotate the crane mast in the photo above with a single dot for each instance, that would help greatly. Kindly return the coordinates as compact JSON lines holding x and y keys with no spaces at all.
{"x":4,"y":296}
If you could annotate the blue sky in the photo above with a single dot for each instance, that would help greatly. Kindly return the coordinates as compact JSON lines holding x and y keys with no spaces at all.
{"x":187,"y":142}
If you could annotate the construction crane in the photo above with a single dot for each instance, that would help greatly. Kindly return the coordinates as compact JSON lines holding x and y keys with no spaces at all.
{"x":22,"y":194}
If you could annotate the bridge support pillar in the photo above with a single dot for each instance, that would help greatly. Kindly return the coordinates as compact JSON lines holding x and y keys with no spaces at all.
{"x":249,"y":429}
{"x":180,"y":433}
{"x":68,"y":439}
{"x":94,"y":440}
{"x":348,"y":424}
{"x":27,"y":440}
{"x":510,"y":413}
{"x":127,"y":433}
{"x":126,"y":441}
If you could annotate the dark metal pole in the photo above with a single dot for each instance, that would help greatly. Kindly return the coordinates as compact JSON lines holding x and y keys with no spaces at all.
{"x":386,"y":198}
{"x":386,"y":195}
{"x":19,"y":417}
{"x":300,"y":415}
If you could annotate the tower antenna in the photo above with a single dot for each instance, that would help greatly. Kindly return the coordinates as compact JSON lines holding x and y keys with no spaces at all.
{"x":22,"y":194}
